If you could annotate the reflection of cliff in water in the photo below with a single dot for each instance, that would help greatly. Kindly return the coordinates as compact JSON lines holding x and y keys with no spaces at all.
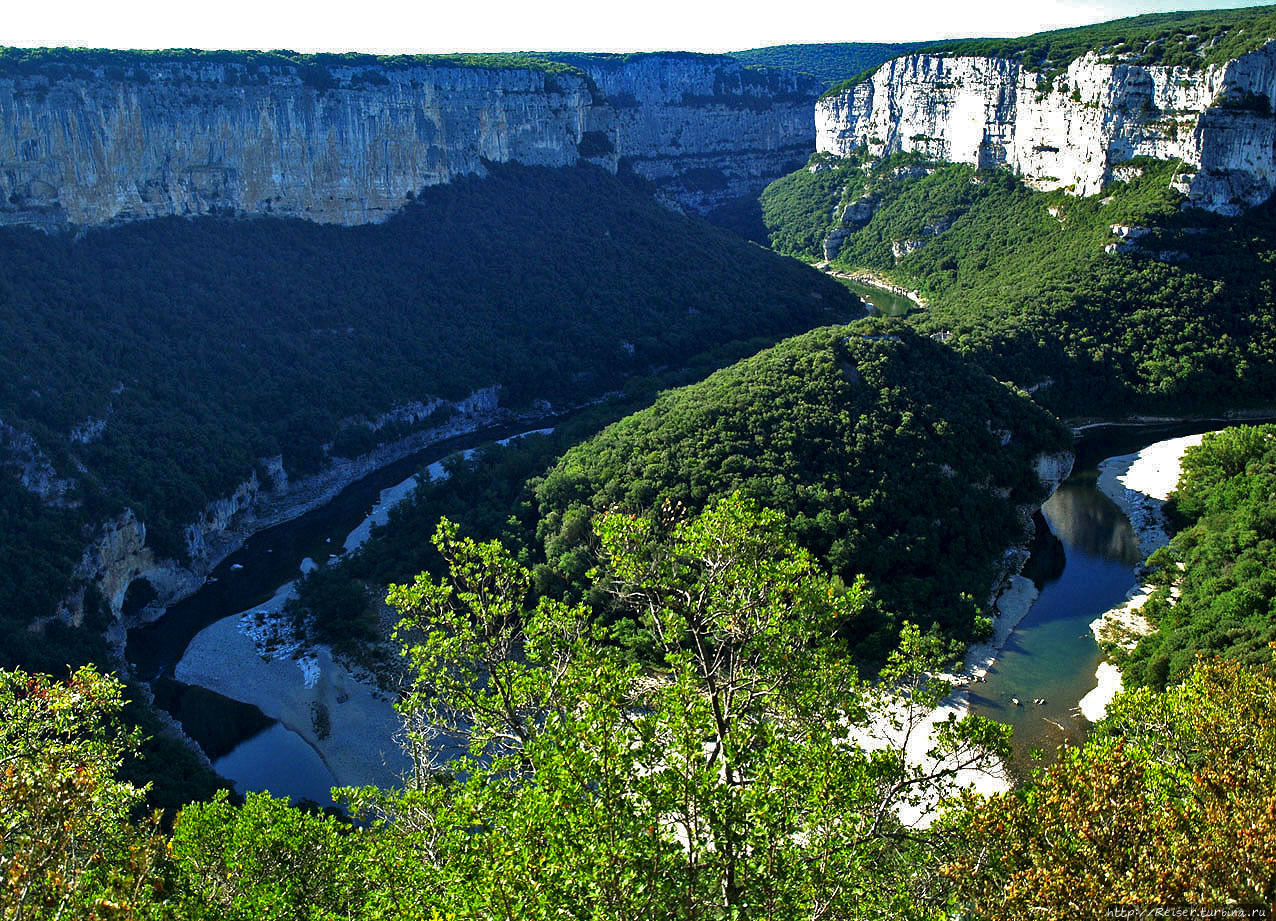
{"x":1046,"y":554}
{"x":1084,"y":518}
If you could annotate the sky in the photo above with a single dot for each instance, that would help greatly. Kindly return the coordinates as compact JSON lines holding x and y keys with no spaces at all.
{"x":548,"y":25}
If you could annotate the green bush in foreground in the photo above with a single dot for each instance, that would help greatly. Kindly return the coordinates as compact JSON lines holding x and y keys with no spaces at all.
{"x":720,"y":785}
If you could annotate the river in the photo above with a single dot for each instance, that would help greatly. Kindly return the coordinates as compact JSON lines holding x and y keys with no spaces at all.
{"x":880,"y":301}
{"x":1084,"y":561}
{"x":247,"y":747}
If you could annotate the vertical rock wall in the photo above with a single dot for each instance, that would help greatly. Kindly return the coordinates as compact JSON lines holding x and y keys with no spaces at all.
{"x":174,"y":138}
{"x":1070,"y":131}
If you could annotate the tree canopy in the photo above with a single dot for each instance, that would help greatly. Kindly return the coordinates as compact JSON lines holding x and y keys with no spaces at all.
{"x":1214,"y":586}
{"x":1040,"y":288}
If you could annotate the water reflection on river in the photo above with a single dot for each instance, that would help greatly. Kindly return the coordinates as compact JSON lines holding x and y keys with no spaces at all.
{"x":882,"y":302}
{"x":1052,"y":655}
{"x":1088,"y":522}
{"x":281,"y":762}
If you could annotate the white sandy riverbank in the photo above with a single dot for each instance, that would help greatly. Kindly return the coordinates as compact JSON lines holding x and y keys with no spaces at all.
{"x":359,"y":747}
{"x":1095,"y":704}
{"x":893,"y":729}
{"x":1139,"y":484}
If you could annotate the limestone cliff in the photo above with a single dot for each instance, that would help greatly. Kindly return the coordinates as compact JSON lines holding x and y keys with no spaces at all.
{"x":179,"y":134}
{"x":702,"y":127}
{"x":1071,"y":130}
{"x":185,"y":136}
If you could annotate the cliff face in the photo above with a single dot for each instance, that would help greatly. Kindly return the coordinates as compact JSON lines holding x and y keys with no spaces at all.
{"x":348,"y":144}
{"x":176,"y":137}
{"x":1071,"y":132}
{"x":704,"y":128}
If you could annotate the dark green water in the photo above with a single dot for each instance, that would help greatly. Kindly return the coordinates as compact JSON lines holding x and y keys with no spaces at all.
{"x":884,"y":303}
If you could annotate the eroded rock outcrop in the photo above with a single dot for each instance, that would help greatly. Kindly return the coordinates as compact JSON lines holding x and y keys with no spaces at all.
{"x":157,"y":136}
{"x":1072,"y":130}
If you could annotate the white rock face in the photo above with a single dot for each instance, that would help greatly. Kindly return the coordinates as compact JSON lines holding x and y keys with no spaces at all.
{"x":23,"y":457}
{"x":117,"y":557}
{"x":218,"y":515}
{"x":178,"y":137}
{"x":1073,"y":132}
{"x":1053,"y":469}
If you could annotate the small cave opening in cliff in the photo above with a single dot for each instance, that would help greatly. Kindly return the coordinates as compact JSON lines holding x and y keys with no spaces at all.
{"x":139,"y":594}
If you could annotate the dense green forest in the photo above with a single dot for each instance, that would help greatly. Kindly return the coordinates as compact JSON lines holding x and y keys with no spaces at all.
{"x":206,"y":345}
{"x":1215,"y":584}
{"x":1043,"y":289}
{"x":829,"y":62}
{"x":720,"y":787}
{"x":867,"y":437}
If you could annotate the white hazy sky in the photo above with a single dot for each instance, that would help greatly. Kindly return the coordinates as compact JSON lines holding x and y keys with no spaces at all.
{"x":559,"y":25}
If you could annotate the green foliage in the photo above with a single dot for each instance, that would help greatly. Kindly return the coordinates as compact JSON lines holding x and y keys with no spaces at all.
{"x":718,"y":787}
{"x":1215,"y":584}
{"x":332,"y":610}
{"x":69,"y":845}
{"x":1178,"y":319}
{"x":799,"y":209}
{"x":828,"y":62}
{"x":1169,"y":802}
{"x":1192,"y":39}
{"x":867,"y":437}
{"x":267,"y":861}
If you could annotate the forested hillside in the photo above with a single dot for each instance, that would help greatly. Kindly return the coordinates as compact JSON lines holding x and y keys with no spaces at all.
{"x":829,"y":62}
{"x":867,"y":437}
{"x":154,"y":365}
{"x":1104,"y":304}
{"x":1215,"y":584}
